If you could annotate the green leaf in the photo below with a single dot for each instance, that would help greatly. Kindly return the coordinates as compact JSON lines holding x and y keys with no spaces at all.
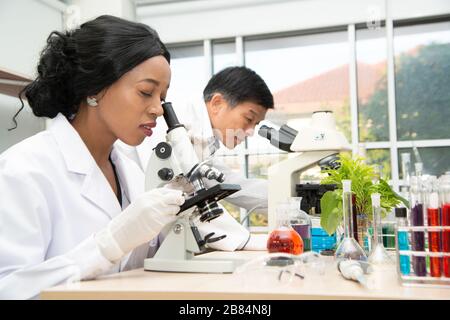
{"x":362,"y":177}
{"x":331,"y":208}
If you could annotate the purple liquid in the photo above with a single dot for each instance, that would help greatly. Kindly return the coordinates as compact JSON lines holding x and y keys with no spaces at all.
{"x":304,"y":231}
{"x":354,"y":218}
{"x":418,"y":241}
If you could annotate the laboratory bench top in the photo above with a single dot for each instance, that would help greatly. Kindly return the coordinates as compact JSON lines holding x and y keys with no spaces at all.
{"x":140,"y":284}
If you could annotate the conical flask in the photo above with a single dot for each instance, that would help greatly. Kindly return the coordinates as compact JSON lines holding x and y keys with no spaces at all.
{"x":378,"y":255}
{"x":284,"y":238}
{"x":349,"y":248}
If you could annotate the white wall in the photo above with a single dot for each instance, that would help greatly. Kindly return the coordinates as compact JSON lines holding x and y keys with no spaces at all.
{"x":204,"y":19}
{"x":24,"y":27}
{"x":90,"y":9}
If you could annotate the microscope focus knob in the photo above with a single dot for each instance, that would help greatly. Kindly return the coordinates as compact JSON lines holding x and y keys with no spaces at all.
{"x":165,"y":174}
{"x":163,"y":150}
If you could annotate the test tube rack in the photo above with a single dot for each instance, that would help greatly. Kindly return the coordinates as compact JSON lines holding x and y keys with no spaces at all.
{"x":412,"y":279}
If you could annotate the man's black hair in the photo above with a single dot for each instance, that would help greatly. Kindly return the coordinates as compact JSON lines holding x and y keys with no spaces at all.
{"x":239,"y":85}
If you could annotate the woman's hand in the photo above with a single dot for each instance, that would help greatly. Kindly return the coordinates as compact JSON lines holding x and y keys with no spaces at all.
{"x":140,"y":222}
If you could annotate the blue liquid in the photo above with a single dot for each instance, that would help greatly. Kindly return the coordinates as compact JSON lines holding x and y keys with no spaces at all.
{"x":405,"y":268}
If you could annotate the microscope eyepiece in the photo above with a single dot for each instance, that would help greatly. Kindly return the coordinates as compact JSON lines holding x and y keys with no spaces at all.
{"x":282,"y":139}
{"x":170,"y":116}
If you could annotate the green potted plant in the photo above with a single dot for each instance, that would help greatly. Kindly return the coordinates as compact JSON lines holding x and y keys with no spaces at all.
{"x":362,"y":177}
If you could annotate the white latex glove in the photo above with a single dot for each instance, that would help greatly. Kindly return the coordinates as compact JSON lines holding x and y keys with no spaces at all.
{"x":140,"y":222}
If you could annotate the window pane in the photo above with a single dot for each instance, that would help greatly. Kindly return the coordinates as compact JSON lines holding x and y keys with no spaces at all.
{"x":436,"y":160}
{"x":224,"y":55}
{"x":372,"y":90}
{"x":234,"y":211}
{"x":305,"y":73}
{"x":382,"y":158}
{"x":422,"y":77}
{"x":259,"y":163}
{"x":236,"y":165}
{"x":189,"y":76}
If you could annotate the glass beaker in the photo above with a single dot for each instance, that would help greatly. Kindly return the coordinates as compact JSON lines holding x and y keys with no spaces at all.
{"x":284,"y":238}
{"x":348,"y":249}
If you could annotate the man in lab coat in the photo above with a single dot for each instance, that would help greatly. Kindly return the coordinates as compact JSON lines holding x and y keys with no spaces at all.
{"x":234,"y":101}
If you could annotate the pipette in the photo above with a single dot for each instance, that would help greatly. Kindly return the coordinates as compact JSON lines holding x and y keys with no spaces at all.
{"x":354,"y":270}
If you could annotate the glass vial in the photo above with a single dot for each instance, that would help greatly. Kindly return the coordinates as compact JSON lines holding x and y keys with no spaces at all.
{"x":348,"y":249}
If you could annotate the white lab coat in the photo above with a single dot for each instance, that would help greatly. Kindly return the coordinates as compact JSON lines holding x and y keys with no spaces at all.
{"x":53,"y":198}
{"x":195,"y":118}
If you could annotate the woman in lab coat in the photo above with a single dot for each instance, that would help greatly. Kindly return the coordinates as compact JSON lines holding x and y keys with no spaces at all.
{"x":72,"y":206}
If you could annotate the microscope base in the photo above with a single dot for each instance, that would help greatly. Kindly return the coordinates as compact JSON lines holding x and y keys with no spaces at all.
{"x":198,"y":265}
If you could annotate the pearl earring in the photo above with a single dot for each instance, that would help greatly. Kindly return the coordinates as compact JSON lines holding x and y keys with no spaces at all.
{"x":92,"y":101}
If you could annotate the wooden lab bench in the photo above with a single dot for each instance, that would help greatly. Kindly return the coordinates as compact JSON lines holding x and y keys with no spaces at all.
{"x":140,"y":284}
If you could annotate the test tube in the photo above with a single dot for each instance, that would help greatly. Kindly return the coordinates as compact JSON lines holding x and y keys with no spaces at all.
{"x":406,"y":168}
{"x":417,"y":219}
{"x":403,"y":243}
{"x":444,"y":191}
{"x":433,"y":214}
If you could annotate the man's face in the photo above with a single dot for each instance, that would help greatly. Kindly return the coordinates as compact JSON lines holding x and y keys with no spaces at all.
{"x":233,"y":124}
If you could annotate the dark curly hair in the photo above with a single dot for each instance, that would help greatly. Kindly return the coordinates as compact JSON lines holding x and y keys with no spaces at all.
{"x":79,"y":63}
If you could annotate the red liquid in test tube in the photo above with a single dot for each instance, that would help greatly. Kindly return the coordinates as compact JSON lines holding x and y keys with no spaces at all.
{"x":434,"y":240}
{"x":446,"y":238}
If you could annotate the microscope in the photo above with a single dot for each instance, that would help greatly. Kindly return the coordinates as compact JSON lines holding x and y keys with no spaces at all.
{"x":319,"y":143}
{"x":175,"y":161}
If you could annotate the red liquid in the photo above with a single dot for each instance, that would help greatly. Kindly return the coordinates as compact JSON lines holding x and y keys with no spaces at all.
{"x":434,"y":239}
{"x":446,"y":238}
{"x":285,"y":240}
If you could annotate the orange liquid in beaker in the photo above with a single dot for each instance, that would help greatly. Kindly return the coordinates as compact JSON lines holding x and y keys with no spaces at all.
{"x":285,"y":240}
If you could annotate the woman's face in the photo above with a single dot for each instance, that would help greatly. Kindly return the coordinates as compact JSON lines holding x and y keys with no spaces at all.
{"x":130,"y":106}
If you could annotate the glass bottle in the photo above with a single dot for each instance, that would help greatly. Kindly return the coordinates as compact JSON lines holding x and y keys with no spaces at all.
{"x":444,"y":194}
{"x":284,"y":238}
{"x":348,"y":248}
{"x":406,"y":169}
{"x":417,"y":219}
{"x":378,"y":254}
{"x":301,"y":222}
{"x":403,"y":241}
